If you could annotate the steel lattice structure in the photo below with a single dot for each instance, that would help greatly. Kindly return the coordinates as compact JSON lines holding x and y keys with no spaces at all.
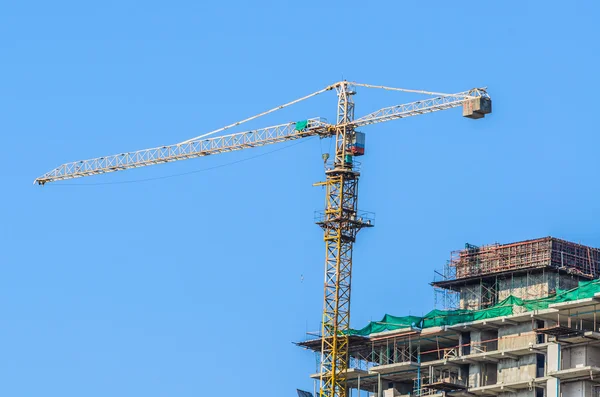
{"x":340,"y":221}
{"x":340,"y":224}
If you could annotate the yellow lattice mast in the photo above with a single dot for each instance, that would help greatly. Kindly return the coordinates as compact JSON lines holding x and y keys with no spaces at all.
{"x":340,"y":221}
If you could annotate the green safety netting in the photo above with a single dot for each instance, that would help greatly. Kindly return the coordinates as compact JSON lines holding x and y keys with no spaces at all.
{"x":436,"y":318}
{"x":506,"y":307}
{"x":388,"y":323}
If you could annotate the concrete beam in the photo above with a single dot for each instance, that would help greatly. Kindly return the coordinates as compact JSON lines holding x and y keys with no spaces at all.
{"x":468,"y":328}
{"x":491,"y":325}
{"x":490,"y":359}
{"x":485,"y":393}
{"x":533,"y":349}
{"x":461,"y":393}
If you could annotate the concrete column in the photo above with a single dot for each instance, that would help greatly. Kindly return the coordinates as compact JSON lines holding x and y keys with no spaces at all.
{"x":553,"y":387}
{"x":553,"y":364}
{"x":553,"y":357}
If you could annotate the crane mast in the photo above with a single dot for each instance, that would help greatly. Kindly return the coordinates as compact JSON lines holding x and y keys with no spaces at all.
{"x":340,"y":221}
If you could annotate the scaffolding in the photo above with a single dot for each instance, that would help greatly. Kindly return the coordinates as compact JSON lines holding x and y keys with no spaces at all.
{"x":444,"y":298}
{"x":479,"y":277}
{"x":443,"y":379}
{"x":487,"y":291}
{"x":474,"y":261}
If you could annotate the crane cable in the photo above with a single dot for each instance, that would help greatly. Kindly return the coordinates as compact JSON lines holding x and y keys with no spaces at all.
{"x":408,"y":90}
{"x":328,"y":88}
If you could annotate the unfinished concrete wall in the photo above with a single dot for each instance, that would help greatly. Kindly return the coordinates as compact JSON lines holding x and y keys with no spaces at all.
{"x":577,"y":389}
{"x":489,"y":374}
{"x":470,"y":297}
{"x":474,"y":375}
{"x":525,"y":287}
{"x":488,"y":341}
{"x":573,"y":357}
{"x":593,"y":356}
{"x":572,"y":389}
{"x":535,"y":285}
{"x":483,"y":374}
{"x":580,"y":356}
{"x":516,"y":336}
{"x":516,"y":370}
{"x":475,"y":336}
{"x":565,"y":281}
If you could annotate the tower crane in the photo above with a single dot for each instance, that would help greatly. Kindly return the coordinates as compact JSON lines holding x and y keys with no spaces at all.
{"x":340,"y":221}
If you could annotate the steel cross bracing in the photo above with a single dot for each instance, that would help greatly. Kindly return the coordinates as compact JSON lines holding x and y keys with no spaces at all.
{"x":340,"y":221}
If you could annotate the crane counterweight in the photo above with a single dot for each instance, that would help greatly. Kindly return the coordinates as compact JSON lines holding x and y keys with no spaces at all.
{"x":477,"y":108}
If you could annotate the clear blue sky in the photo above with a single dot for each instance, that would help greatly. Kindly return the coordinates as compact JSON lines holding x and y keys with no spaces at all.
{"x":197,"y":285}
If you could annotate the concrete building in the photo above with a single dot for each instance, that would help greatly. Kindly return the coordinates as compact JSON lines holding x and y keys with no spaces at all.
{"x":519,"y":321}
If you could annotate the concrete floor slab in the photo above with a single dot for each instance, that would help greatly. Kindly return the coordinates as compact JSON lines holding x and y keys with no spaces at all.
{"x":581,"y":373}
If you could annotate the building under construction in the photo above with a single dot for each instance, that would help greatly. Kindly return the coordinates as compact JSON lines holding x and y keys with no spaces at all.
{"x":514,"y":320}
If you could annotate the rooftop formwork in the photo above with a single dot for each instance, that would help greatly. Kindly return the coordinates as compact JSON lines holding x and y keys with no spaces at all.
{"x":548,"y":252}
{"x":478,"y":277}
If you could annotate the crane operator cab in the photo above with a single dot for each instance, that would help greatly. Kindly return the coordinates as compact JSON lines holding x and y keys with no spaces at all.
{"x":356,"y":147}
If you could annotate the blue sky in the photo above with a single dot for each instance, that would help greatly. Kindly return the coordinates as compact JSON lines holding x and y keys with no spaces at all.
{"x":155,"y":288}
